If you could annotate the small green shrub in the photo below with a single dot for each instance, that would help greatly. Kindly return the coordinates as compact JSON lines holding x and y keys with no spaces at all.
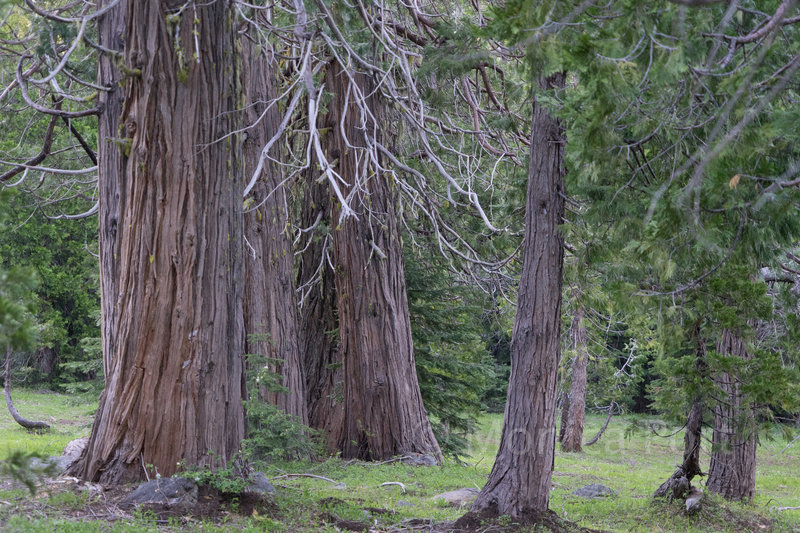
{"x":273,"y":434}
{"x":229,"y":480}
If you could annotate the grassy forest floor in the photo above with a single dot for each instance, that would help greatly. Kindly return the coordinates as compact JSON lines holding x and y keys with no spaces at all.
{"x":634,"y":466}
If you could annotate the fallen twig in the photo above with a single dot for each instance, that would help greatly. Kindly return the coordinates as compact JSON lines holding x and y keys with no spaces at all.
{"x":402,"y":487}
{"x":285,"y":476}
{"x":370,"y":463}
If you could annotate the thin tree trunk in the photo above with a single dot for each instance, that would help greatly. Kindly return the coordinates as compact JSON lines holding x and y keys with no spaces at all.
{"x":600,"y":433}
{"x":573,"y":429}
{"x":519,"y":484}
{"x":678,"y":484}
{"x":562,"y":429}
{"x":19,"y":419}
{"x":384,"y":415}
{"x":172,"y":300}
{"x":732,"y":472}
{"x":270,"y":311}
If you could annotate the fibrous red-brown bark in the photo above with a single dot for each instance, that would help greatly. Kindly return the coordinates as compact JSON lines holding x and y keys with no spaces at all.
{"x":575,"y":414}
{"x":171,"y":246}
{"x":519,"y":484}
{"x":383,"y":411}
{"x":732,"y":472}
{"x":322,"y":357}
{"x":112,"y":161}
{"x":270,"y":312}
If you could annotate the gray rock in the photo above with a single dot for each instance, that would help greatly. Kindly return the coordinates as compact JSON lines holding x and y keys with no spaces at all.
{"x":72,"y":452}
{"x":693,"y":500}
{"x":75,"y":447}
{"x":420,"y":459}
{"x":171,"y":492}
{"x":458,"y":498}
{"x":595,"y":490}
{"x":62,"y":463}
{"x":403,"y":503}
{"x":259,"y":485}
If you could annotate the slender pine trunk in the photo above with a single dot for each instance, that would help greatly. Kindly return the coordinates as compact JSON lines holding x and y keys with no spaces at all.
{"x":679,"y":483}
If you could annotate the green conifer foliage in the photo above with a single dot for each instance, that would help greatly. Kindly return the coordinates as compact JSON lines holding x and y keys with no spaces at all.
{"x":17,"y":327}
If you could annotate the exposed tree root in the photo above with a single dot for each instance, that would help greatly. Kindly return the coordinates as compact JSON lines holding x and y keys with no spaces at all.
{"x":19,"y":419}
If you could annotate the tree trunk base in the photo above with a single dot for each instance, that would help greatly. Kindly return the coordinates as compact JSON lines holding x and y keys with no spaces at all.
{"x":486,"y":518}
{"x":677,"y":486}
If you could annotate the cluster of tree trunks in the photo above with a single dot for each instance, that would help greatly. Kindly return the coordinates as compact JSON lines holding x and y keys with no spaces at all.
{"x":175,"y":246}
{"x":732,"y":472}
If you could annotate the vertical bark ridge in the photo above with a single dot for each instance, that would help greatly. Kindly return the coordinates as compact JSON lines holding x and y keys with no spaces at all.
{"x":732,"y":472}
{"x":270,"y":309}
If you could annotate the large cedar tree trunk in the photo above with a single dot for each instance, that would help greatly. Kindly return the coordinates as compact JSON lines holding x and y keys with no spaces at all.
{"x":270,"y":312}
{"x":732,"y":472}
{"x":322,"y":358}
{"x":519,"y":484}
{"x":171,"y":246}
{"x":576,"y":411}
{"x":383,"y":411}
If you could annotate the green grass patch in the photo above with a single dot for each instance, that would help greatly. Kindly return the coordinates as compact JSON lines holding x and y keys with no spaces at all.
{"x":70,"y":417}
{"x":632,"y":465}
